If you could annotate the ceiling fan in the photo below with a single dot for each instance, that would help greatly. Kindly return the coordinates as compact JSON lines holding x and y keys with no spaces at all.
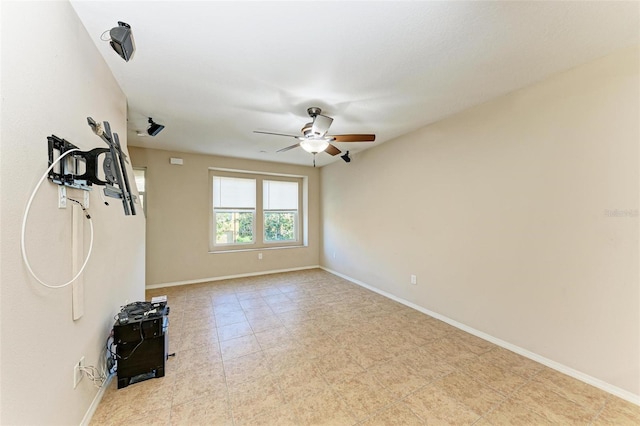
{"x":314,"y":138}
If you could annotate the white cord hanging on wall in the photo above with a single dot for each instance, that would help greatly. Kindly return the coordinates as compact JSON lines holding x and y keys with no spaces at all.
{"x":24,"y":227}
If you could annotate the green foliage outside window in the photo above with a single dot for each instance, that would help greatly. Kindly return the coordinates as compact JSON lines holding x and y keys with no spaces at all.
{"x":234,"y":227}
{"x":280,"y":226}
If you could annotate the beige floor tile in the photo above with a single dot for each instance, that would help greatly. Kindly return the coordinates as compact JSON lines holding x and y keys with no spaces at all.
{"x":472,"y":343}
{"x":286,"y":356}
{"x":434,"y":406}
{"x":513,"y":362}
{"x":426,"y":364}
{"x":514,"y":413}
{"x":249,"y":399}
{"x":202,"y":411}
{"x":266,"y":293}
{"x":280,"y":416}
{"x":369,"y":354}
{"x":338,"y":366}
{"x":290,"y":348}
{"x":194,"y":324}
{"x":204,"y":357}
{"x":364,"y":395}
{"x":474,"y":395}
{"x":398,"y":378}
{"x":114,"y":410}
{"x":193,"y":316}
{"x":238,"y":347}
{"x":234,"y":331}
{"x":451,"y":350}
{"x":277,"y":299}
{"x":553,"y":407}
{"x":159,"y":417}
{"x":194,"y":384}
{"x":223,"y":299}
{"x":246,"y":368}
{"x":618,"y":412}
{"x":324,"y":408}
{"x":588,"y":397}
{"x":300,"y":381}
{"x":198,"y":303}
{"x":318,"y":346}
{"x":228,"y":318}
{"x":496,"y":377}
{"x":274,"y":337}
{"x":264,"y":323}
{"x":248,"y":296}
{"x":227,"y":308}
{"x":396,"y":415}
{"x":191,"y":339}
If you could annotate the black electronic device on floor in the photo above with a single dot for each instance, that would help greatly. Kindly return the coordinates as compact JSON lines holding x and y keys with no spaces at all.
{"x":141,"y":338}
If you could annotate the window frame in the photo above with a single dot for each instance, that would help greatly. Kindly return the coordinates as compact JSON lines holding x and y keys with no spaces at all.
{"x":260,"y":242}
{"x":142,"y":194}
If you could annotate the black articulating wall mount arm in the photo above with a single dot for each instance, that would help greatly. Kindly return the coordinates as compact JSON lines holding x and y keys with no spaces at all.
{"x":81,"y":170}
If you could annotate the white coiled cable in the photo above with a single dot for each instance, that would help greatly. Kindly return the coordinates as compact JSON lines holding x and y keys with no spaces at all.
{"x":24,"y":227}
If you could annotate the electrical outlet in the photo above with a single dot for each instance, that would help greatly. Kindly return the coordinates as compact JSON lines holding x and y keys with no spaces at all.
{"x":259,"y":256}
{"x":62,"y":197}
{"x":414,"y":280}
{"x":85,"y":199}
{"x":77,"y":372}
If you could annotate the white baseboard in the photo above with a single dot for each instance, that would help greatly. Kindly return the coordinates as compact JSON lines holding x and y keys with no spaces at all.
{"x":228,"y":277}
{"x":96,"y":401}
{"x":614,"y":390}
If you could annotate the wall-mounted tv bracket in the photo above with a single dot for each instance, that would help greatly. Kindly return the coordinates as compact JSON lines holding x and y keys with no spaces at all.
{"x":81,"y":171}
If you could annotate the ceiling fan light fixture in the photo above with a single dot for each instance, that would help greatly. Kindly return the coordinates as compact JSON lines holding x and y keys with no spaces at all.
{"x":314,"y":145}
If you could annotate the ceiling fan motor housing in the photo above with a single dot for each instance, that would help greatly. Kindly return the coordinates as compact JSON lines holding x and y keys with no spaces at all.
{"x":307,"y":131}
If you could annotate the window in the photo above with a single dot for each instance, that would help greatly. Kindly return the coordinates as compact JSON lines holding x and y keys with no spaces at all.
{"x":140,"y":177}
{"x":234,"y":210}
{"x":280,"y":207}
{"x":253,"y":211}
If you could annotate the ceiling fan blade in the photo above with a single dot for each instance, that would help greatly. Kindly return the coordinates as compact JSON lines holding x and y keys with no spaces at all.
{"x":277,"y":134}
{"x":353,"y":138}
{"x":321,"y":124}
{"x":332,"y":150}
{"x":289,"y":147}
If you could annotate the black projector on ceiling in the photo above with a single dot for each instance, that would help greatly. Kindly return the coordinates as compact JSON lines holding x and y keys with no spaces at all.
{"x":122,"y":40}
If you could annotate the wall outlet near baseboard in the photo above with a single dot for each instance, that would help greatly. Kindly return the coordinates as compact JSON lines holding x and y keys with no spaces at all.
{"x":77,"y":372}
{"x":414,"y":280}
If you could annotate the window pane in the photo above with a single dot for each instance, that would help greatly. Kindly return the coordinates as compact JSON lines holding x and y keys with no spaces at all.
{"x":234,"y":227}
{"x":234,"y":192}
{"x":278,"y":195}
{"x":139,"y":176}
{"x":280,"y":226}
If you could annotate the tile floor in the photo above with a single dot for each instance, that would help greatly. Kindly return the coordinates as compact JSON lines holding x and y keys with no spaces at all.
{"x":309,"y":348}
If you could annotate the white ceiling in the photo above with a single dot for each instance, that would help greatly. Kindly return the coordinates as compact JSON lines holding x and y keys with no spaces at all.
{"x":212,"y":72}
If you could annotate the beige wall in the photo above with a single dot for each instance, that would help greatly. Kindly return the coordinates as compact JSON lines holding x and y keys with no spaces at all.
{"x":53,"y":78}
{"x":500,"y":211}
{"x":178,"y":219}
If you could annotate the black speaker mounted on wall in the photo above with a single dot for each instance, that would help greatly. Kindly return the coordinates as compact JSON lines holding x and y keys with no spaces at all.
{"x":122,"y":40}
